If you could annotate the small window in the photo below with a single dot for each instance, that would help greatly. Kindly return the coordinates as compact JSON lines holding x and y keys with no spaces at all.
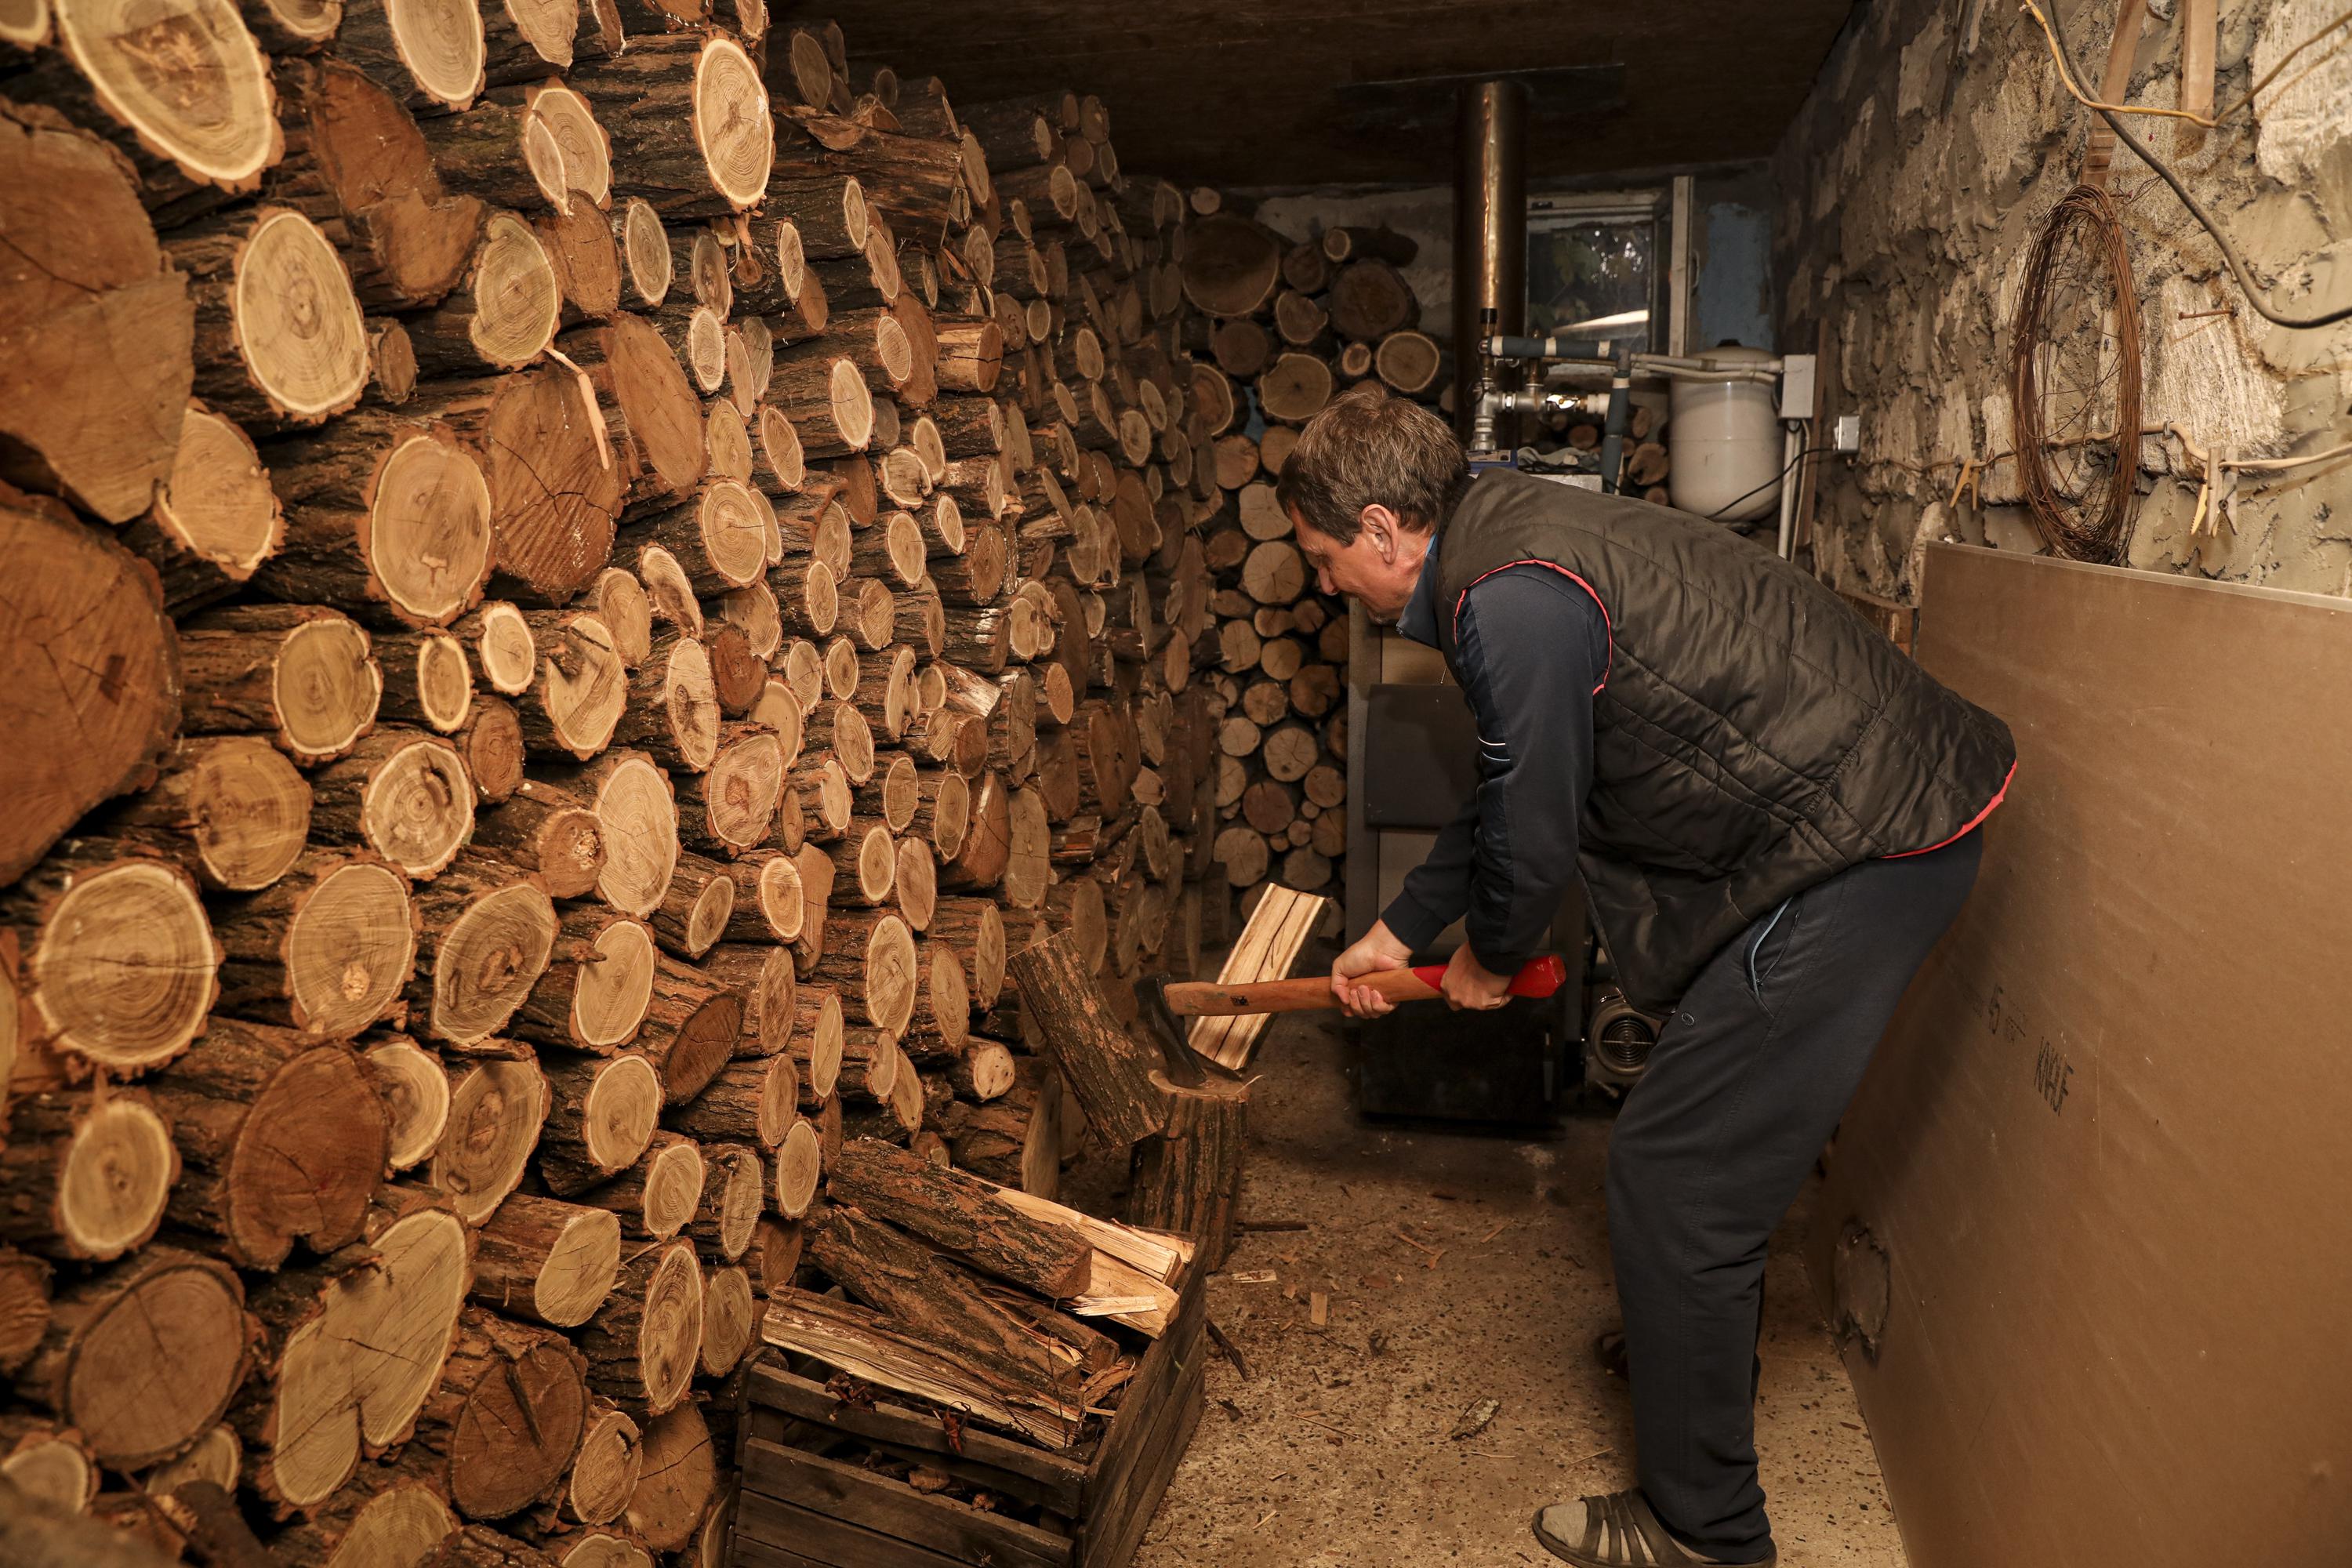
{"x":1594,"y":272}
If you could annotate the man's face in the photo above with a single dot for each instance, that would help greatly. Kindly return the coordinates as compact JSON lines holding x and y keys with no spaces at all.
{"x":1378,"y":568}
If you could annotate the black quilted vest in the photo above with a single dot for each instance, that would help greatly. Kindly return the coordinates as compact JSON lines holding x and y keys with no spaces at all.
{"x":1753,"y":736}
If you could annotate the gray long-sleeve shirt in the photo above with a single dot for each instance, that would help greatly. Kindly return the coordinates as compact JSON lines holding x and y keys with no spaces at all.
{"x":1531,"y":650}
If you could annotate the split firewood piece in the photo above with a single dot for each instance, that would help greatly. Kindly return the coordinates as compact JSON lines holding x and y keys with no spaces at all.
{"x":986,"y":852}
{"x":656,"y":1196}
{"x":548,"y":1261}
{"x":731,"y":809}
{"x":961,"y":1214}
{"x":215,"y":519}
{"x":690,"y":1029}
{"x":548,"y":831}
{"x":597,"y":984}
{"x":673,"y":705}
{"x":695,"y":913}
{"x":229,"y":809}
{"x":301,"y":674}
{"x":430,"y":57}
{"x":353,"y":1347}
{"x":601,"y":1116}
{"x":927,"y":1295}
{"x":638,"y":814}
{"x":496,"y":1110}
{"x":86,"y":1175}
{"x":401,"y":793}
{"x":500,"y":1430}
{"x":734,"y":1194}
{"x":279,"y":340}
{"x":168,"y":1322}
{"x":606,"y":1470}
{"x":383,"y":1511}
{"x":281,"y":1138}
{"x":414,"y":1089}
{"x":118,"y":957}
{"x":762,"y":974}
{"x":689,"y":120}
{"x":1014,"y":1140}
{"x":1107,"y":1068}
{"x":643,"y":1343}
{"x":485,"y":939}
{"x":426,"y":679}
{"x":884,"y":1349}
{"x":327,"y":951}
{"x":869,"y":959}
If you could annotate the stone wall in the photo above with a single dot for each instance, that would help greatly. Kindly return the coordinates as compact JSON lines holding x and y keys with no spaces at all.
{"x":1910,"y":189}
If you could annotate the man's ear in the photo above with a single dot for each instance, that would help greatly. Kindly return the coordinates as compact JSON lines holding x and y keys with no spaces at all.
{"x":1381,"y":524}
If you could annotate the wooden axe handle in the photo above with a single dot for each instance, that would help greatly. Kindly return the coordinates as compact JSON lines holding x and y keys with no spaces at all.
{"x":1206,"y":998}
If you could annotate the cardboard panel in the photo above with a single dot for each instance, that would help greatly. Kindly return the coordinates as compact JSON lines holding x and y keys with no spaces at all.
{"x":2093,"y":1206}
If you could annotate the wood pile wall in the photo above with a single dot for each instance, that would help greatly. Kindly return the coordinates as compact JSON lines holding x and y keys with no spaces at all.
{"x":577,"y":584}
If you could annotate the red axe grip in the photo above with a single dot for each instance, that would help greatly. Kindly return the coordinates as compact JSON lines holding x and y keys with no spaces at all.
{"x":1202,"y":998}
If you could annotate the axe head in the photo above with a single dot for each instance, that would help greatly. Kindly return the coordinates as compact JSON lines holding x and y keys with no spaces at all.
{"x":1184,"y":1065}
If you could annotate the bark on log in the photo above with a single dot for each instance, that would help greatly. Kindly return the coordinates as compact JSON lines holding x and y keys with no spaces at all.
{"x":165,"y":1321}
{"x":643,"y":1343}
{"x":963,"y":1215}
{"x":598,"y":981}
{"x":496,"y":1110}
{"x":327,"y":951}
{"x":550,"y":1261}
{"x":118,"y":959}
{"x":1107,"y":1069}
{"x":690,"y":1029}
{"x":281,"y":1137}
{"x":401,"y":793}
{"x":86,"y":1175}
{"x":656,"y":1198}
{"x":1188,"y":1178}
{"x":502,"y":1427}
{"x":230,"y":809}
{"x":485,"y":939}
{"x":602,"y":1114}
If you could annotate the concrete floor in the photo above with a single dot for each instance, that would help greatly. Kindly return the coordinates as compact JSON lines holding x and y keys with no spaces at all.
{"x":1458,"y":1269}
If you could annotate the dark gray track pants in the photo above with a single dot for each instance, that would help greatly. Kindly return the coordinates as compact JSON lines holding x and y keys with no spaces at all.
{"x":1748,"y":1080}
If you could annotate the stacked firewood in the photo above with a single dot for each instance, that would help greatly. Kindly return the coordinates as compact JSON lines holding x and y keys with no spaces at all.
{"x":571,"y":607}
{"x":1285,"y":325}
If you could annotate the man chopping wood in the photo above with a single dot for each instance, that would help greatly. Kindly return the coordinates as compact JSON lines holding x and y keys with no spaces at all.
{"x":1773,"y":813}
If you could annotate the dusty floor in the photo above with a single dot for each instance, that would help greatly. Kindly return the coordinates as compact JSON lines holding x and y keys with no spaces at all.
{"x":1458,"y":1269}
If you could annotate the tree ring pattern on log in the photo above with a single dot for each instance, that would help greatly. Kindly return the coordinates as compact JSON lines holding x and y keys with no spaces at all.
{"x":587,"y":151}
{"x":143,"y":59}
{"x":324,"y":687}
{"x":417,"y":810}
{"x":298,"y":327}
{"x":731,"y":124}
{"x":155,"y":1365}
{"x":517,"y":300}
{"x":358,"y":1369}
{"x":495,"y":1114}
{"x":415,"y":1093}
{"x":487,"y":961}
{"x":441,"y":42}
{"x":351,"y":950}
{"x":609,"y":998}
{"x":429,"y":528}
{"x":623,"y":1108}
{"x":217,"y":503}
{"x":122,"y":975}
{"x":640,"y":815}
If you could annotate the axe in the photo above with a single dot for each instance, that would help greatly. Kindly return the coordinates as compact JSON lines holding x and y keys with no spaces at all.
{"x":1160,"y":1003}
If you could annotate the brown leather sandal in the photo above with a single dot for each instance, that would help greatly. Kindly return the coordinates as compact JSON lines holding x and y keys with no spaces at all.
{"x":1618,"y":1531}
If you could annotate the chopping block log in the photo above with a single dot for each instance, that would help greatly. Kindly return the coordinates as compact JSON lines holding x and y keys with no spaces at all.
{"x":1188,"y":1176}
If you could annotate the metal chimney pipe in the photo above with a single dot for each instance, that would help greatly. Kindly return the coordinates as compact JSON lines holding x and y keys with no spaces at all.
{"x":1490,"y":227}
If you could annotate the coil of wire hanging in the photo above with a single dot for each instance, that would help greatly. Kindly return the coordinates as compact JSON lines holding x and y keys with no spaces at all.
{"x":2075,"y":380}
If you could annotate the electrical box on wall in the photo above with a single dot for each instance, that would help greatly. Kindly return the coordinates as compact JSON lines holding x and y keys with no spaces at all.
{"x":1797,"y":386}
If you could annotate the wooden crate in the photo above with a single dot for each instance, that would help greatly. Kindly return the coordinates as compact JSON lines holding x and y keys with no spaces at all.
{"x":807,"y":1502}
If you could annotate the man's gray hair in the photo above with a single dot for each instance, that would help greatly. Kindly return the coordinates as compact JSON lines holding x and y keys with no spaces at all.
{"x":1367,"y":448}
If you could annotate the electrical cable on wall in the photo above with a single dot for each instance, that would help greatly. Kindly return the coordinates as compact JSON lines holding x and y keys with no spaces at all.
{"x":2070,"y":72}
